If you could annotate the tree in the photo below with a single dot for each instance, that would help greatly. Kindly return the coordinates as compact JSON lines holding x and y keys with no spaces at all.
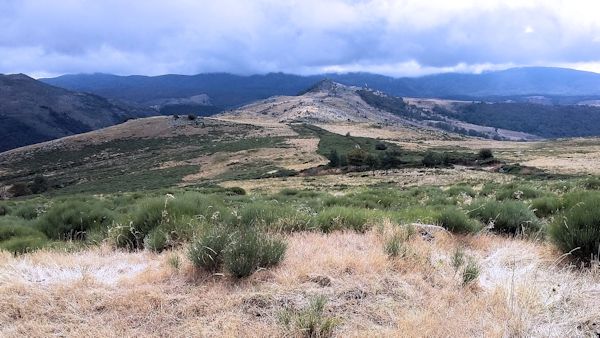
{"x":380,"y":146}
{"x":39,"y":185}
{"x":390,"y":159}
{"x":372,"y":162}
{"x":485,"y":154}
{"x":343,"y":161}
{"x":334,"y":158}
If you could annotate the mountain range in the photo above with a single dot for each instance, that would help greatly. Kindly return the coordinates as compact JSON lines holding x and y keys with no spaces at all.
{"x":226,"y":91}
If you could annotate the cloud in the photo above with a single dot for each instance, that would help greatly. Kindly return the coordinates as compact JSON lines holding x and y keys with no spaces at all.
{"x":411,"y":37}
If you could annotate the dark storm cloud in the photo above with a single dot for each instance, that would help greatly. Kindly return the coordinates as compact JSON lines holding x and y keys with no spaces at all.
{"x":394,"y":37}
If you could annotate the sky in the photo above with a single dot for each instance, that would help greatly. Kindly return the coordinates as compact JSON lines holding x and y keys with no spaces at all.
{"x":397,"y":38}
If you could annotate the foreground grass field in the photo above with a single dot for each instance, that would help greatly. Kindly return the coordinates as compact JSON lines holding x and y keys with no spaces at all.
{"x":208,"y":227}
{"x":457,"y":260}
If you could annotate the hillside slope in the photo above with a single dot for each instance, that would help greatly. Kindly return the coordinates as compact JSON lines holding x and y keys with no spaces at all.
{"x":32,"y":112}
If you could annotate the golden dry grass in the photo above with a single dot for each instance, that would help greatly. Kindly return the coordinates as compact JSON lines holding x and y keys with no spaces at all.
{"x":521,"y":291}
{"x":398,"y":177}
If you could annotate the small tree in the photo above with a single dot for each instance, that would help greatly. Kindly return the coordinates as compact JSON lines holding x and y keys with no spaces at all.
{"x":380,"y":146}
{"x":39,"y":185}
{"x":343,"y":161}
{"x":334,"y":158}
{"x":485,"y":154}
{"x":372,"y":162}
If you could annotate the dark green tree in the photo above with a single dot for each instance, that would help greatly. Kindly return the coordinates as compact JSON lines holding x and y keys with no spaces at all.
{"x":334,"y":158}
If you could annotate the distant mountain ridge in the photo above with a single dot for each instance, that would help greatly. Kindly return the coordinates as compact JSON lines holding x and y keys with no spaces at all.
{"x":32,"y":111}
{"x":228,"y":90}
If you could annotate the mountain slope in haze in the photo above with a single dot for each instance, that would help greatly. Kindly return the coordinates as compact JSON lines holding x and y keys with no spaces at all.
{"x":32,"y":111}
{"x":228,"y":91}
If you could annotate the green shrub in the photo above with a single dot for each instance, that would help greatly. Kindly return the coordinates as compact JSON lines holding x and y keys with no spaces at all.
{"x":578,"y":230}
{"x":395,"y":245}
{"x":592,"y":183}
{"x":26,"y":211}
{"x":175,"y":215}
{"x":250,"y":250}
{"x":310,"y":322}
{"x":470,"y":273}
{"x":506,"y":216}
{"x":546,"y":206}
{"x":73,"y":219}
{"x":4,"y":209}
{"x":485,"y":154}
{"x":458,"y":258}
{"x":460,"y":189}
{"x":456,"y":220}
{"x":157,"y":240}
{"x":518,"y":193}
{"x":339,"y":218}
{"x":18,"y":236}
{"x":236,"y":191}
{"x":207,"y":251}
{"x":434,"y":159}
{"x":39,"y":185}
{"x":20,"y":245}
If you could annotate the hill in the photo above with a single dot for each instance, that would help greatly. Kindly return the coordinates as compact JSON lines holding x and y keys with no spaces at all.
{"x":32,"y":111}
{"x":226,"y":91}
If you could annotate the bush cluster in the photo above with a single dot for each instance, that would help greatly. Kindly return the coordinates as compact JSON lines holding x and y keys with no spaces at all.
{"x":240,"y":251}
{"x":577,"y":230}
{"x":510,"y":217}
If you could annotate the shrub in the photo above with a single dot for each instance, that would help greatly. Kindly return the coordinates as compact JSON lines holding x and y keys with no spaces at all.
{"x":434,"y":159}
{"x":311,"y":321}
{"x":338,"y":218}
{"x":395,"y":245}
{"x":457,"y":190}
{"x":174,"y":215}
{"x":380,"y":146}
{"x":334,"y":158}
{"x":26,"y":211}
{"x":157,"y":240}
{"x":17,"y":236}
{"x":39,"y":185}
{"x":592,"y":183}
{"x":4,"y":209}
{"x":20,"y":245}
{"x":456,"y":220}
{"x":470,"y":273}
{"x":578,"y":230}
{"x":458,"y":258}
{"x":11,"y":226}
{"x":72,"y":219}
{"x":506,"y":216}
{"x":191,"y":117}
{"x":207,"y":251}
{"x":236,"y":191}
{"x":250,"y":250}
{"x":357,"y":157}
{"x":485,"y":154}
{"x":546,"y":206}
{"x":518,"y":193}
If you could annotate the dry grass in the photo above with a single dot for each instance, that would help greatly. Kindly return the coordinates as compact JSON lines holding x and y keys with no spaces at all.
{"x":398,"y":177}
{"x":99,"y":292}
